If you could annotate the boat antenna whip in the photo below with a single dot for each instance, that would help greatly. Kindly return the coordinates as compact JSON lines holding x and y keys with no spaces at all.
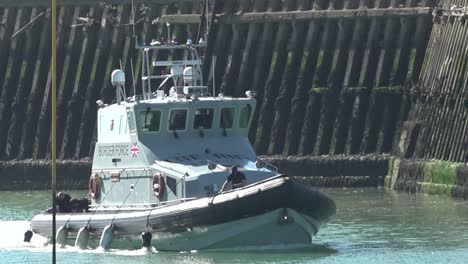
{"x":132,"y":22}
{"x":132,"y":19}
{"x":213,"y":63}
{"x":203,"y":20}
{"x":133,"y":76}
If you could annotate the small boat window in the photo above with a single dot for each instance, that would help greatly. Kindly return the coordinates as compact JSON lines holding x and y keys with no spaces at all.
{"x":177,"y":119}
{"x":203,"y":118}
{"x":150,"y":120}
{"x":100,"y":125}
{"x":245,"y":116}
{"x":227,"y":117}
{"x":120,"y":124}
{"x":172,"y":184}
{"x":130,"y":121}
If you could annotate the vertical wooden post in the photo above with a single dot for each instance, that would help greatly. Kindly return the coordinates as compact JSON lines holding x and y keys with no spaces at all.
{"x":301,"y":93}
{"x":286,"y":89}
{"x":13,"y":64}
{"x":22,"y":84}
{"x":271,"y":89}
{"x":247,"y":65}
{"x":71,"y":62}
{"x":311,"y":122}
{"x":54,"y":122}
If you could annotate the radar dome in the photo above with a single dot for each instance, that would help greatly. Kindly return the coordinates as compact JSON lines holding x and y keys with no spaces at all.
{"x":118,"y":78}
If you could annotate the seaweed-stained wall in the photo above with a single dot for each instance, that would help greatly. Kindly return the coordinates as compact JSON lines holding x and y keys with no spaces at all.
{"x":330,"y":76}
{"x":437,"y":126}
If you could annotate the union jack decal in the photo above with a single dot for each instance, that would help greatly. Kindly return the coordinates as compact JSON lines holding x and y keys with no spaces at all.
{"x":134,"y":150}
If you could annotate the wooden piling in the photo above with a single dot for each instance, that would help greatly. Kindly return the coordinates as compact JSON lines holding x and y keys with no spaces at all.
{"x":271,"y":87}
{"x":286,"y":89}
{"x":304,"y":82}
{"x":12,"y":76}
{"x":19,"y":104}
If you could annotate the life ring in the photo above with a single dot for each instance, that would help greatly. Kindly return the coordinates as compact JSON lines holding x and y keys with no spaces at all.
{"x":94,"y":186}
{"x":158,"y":185}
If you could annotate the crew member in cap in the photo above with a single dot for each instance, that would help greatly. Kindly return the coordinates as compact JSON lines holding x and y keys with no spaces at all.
{"x":236,"y":178}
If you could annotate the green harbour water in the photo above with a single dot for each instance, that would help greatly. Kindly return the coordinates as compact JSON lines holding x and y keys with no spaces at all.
{"x":371,"y":226}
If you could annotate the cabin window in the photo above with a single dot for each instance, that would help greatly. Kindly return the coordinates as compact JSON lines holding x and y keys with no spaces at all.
{"x":177,"y":119}
{"x":245,"y":116}
{"x":120,"y":124}
{"x":100,"y":125}
{"x":203,"y":118}
{"x":125,"y":124}
{"x":172,"y":184}
{"x":131,"y":125}
{"x":227,"y":117}
{"x":150,"y":120}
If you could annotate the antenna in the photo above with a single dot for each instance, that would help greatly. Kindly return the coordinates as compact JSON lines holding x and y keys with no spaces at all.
{"x":204,"y":21}
{"x":133,"y":77}
{"x":208,"y":22}
{"x":168,"y":25}
{"x":132,"y":19}
{"x":214,"y":83}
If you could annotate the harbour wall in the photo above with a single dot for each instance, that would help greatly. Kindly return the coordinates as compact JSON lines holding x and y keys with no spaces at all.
{"x":331,"y":77}
{"x":36,"y":174}
{"x":432,"y":154}
{"x":324,"y":171}
{"x":407,"y":175}
{"x":437,"y":124}
{"x":430,"y":177}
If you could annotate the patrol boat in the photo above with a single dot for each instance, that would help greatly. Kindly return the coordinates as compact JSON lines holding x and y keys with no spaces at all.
{"x":161,"y":158}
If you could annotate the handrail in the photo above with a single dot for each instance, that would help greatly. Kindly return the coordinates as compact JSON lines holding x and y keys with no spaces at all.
{"x":169,"y":47}
{"x":268,"y":165}
{"x":138,"y":207}
{"x":159,"y":163}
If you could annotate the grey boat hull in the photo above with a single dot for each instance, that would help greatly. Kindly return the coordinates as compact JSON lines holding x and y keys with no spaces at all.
{"x":276,"y":211}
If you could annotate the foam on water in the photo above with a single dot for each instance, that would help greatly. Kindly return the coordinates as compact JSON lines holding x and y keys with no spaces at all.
{"x":12,"y":235}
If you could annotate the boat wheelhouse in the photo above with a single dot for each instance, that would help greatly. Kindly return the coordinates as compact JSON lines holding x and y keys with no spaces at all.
{"x":181,"y":133}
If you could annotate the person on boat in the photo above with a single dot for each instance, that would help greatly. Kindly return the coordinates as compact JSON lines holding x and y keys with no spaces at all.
{"x":63,"y":202}
{"x":236,"y":178}
{"x":79,"y":205}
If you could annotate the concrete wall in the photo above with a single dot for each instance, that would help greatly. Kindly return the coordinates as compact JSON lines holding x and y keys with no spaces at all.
{"x":329,"y":171}
{"x":430,"y":177}
{"x":36,"y":174}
